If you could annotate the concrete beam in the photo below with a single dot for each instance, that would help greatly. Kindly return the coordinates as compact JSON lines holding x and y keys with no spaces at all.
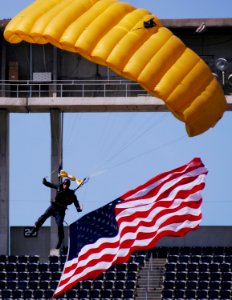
{"x":88,"y":104}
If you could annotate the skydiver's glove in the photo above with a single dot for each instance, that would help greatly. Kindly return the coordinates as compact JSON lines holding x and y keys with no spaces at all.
{"x":44,"y":180}
{"x":79,"y":209}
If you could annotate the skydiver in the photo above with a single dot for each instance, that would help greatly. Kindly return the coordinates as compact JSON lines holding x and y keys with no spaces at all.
{"x":64,"y":197}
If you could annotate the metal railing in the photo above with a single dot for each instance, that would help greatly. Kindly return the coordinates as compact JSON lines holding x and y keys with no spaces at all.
{"x":71,"y":88}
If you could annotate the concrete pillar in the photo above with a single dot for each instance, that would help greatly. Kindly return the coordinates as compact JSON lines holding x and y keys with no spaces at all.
{"x":56,"y":160}
{"x":4,"y":182}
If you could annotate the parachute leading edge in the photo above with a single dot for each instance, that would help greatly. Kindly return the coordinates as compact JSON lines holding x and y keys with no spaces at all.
{"x":135,"y":45}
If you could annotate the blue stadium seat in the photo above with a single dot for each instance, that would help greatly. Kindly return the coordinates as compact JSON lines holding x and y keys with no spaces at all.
{"x":22,"y":276}
{"x":121,"y":275}
{"x":181,"y":276}
{"x":215,"y":276}
{"x":43,"y":267}
{"x":97,"y":284}
{"x":203,"y":267}
{"x":38,"y":294}
{"x":170,"y":276}
{"x":3,"y":258}
{"x":54,"y":267}
{"x":204,"y":276}
{"x":181,"y":267}
{"x":195,"y":259}
{"x":206,"y":259}
{"x":2,"y":267}
{"x":203,"y":284}
{"x":6,"y":293}
{"x":3,"y":284}
{"x":12,"y":284}
{"x":35,"y":275}
{"x":53,"y":259}
{"x":27,"y":294}
{"x":86,"y":284}
{"x":22,"y":284}
{"x":130,"y":284}
{"x":178,"y":294}
{"x":185,"y":258}
{"x":225,"y":294}
{"x":3,"y":275}
{"x":12,"y":259}
{"x":214,"y":267}
{"x":71,"y":294}
{"x":52,"y":284}
{"x":95,"y":293}
{"x":10,"y":267}
{"x":225,"y":267}
{"x":214,"y":285}
{"x":128,"y":294}
{"x":106,"y":293}
{"x":45,"y":284}
{"x":117,"y":294}
{"x":169,"y":284}
{"x":170,"y":266}
{"x":192,"y":267}
{"x":218,"y":258}
{"x":180,"y":284}
{"x":21,"y":267}
{"x":33,"y":259}
{"x":167,"y":294}
{"x":192,"y":276}
{"x":213,"y":294}
{"x":55,"y":275}
{"x":23,"y":259}
{"x":201,"y":294}
{"x":12,"y":276}
{"x":108,"y":284}
{"x":16,"y":294}
{"x":32,"y":267}
{"x":33,"y":284}
{"x":47,"y":275}
{"x":226,"y":276}
{"x":48,"y":293}
{"x":190,"y":294}
{"x":172,"y":258}
{"x":226,"y":285}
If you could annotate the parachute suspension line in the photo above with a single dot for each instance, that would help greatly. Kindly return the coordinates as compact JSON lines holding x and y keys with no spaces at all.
{"x":44,"y":59}
{"x":145,"y":152}
{"x":130,"y":141}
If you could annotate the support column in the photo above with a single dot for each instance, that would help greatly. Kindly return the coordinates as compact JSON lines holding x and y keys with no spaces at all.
{"x":4,"y":182}
{"x":56,"y":161}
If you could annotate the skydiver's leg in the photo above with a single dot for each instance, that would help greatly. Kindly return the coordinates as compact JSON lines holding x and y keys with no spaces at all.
{"x":59,"y":221}
{"x":48,"y":213}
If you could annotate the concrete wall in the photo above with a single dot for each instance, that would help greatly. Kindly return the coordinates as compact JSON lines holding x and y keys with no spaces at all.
{"x":205,"y":236}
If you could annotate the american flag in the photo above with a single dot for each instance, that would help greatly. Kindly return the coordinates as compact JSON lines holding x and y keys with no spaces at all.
{"x":167,"y":205}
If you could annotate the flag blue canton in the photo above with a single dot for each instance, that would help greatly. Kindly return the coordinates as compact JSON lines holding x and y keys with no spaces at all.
{"x":100,"y":223}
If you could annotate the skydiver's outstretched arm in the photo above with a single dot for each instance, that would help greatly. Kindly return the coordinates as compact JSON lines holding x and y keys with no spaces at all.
{"x":49,"y":184}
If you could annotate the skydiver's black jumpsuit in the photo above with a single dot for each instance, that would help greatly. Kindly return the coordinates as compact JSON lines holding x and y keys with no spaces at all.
{"x":63,"y":198}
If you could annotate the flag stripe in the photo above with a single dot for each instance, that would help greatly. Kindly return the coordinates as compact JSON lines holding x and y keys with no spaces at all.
{"x":167,"y":205}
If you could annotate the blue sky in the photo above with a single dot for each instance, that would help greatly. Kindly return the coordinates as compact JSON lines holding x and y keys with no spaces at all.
{"x":122,"y":150}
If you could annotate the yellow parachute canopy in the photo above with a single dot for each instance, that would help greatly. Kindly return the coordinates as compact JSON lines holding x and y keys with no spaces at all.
{"x":135,"y":45}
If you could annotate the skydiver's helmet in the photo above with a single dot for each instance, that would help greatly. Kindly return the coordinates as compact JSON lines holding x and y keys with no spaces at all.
{"x":67,"y":182}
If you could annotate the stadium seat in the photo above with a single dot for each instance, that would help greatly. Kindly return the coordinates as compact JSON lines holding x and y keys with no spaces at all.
{"x":226,"y":276}
{"x":38,"y":294}
{"x":54,"y":275}
{"x":94,"y":293}
{"x":3,"y":275}
{"x":206,"y":259}
{"x":214,"y":285}
{"x":23,"y":259}
{"x":86,"y":284}
{"x":108,"y":284}
{"x":170,"y":267}
{"x":2,"y":266}
{"x":192,"y":267}
{"x":180,"y":284}
{"x":22,"y":284}
{"x":172,"y":258}
{"x":16,"y":294}
{"x":204,"y":276}
{"x":203,"y":284}
{"x":5,"y":293}
{"x":214,"y":267}
{"x":177,"y":294}
{"x":12,"y":259}
{"x":130,"y":284}
{"x":184,"y":258}
{"x":167,"y":294}
{"x":213,"y":294}
{"x":33,"y":284}
{"x":71,"y":294}
{"x":132,"y":275}
{"x":21,"y":267}
{"x":33,"y":259}
{"x":32,"y":267}
{"x":190,"y":294}
{"x":22,"y":276}
{"x":10,"y":267}
{"x":225,"y":294}
{"x":47,"y":275}
{"x":181,"y":267}
{"x":203,"y":267}
{"x":192,"y":276}
{"x":12,"y":276}
{"x":43,"y":267}
{"x":181,"y":276}
{"x":195,"y":259}
{"x":226,"y":285}
{"x":27,"y":294}
{"x":46,"y":284}
{"x":34,"y":275}
{"x":54,"y":267}
{"x":218,"y":258}
{"x":201,"y":294}
{"x":170,"y":276}
{"x":106,"y":293}
{"x":3,"y":284}
{"x":121,"y":275}
{"x":53,"y":259}
{"x":128,"y":294}
{"x":3,"y":258}
{"x":215,"y":276}
{"x":225,"y":267}
{"x":48,"y":293}
{"x":117,"y":294}
{"x":191,"y":285}
{"x":12,"y":284}
{"x":97,"y":284}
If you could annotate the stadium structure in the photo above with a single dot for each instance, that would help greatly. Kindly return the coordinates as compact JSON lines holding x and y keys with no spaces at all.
{"x":197,"y":266}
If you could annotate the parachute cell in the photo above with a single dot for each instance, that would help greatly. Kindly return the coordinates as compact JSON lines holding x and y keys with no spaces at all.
{"x":134,"y":44}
